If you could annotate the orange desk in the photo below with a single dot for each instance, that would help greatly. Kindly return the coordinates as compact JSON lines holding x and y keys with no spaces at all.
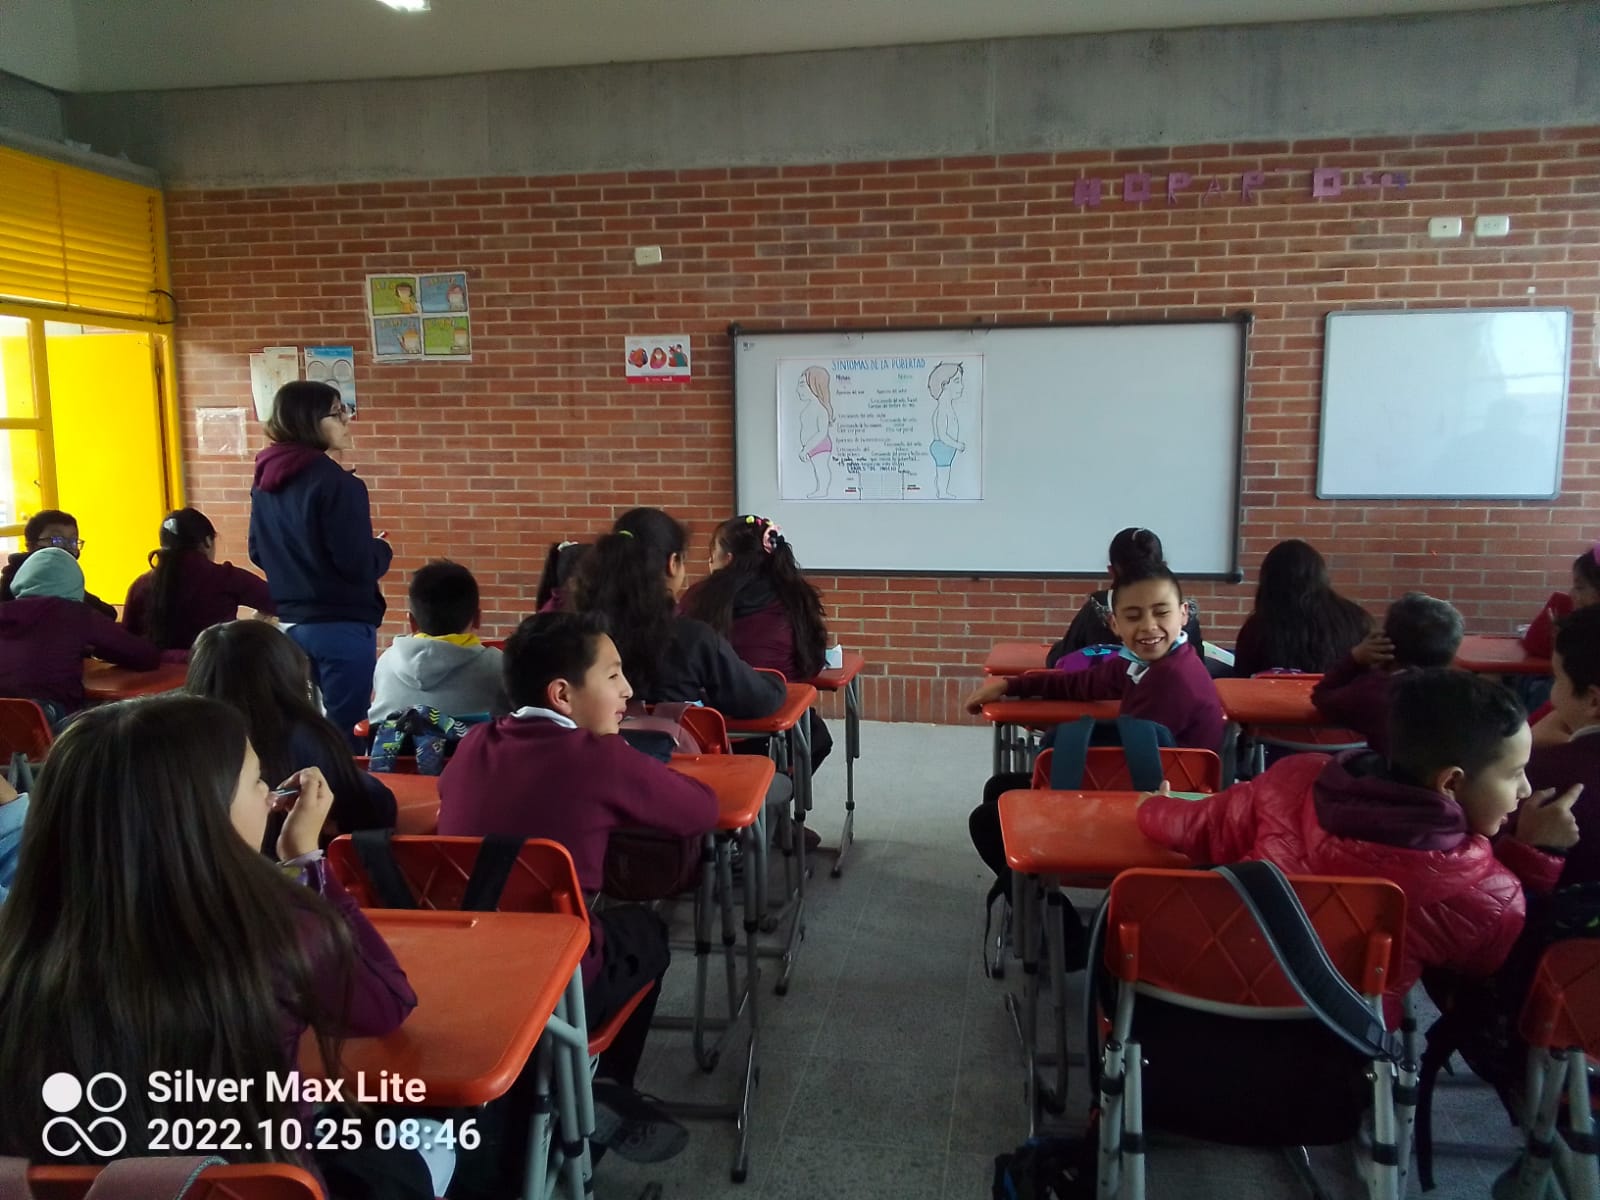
{"x":740,"y":782}
{"x":846,"y":678}
{"x":1055,"y":839}
{"x":1011,"y":717}
{"x":103,"y":682}
{"x":1016,"y":658}
{"x":1498,"y":655}
{"x":416,"y":799}
{"x":1277,"y":711}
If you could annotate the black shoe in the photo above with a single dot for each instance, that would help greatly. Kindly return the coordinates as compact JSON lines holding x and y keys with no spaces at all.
{"x":634,"y":1126}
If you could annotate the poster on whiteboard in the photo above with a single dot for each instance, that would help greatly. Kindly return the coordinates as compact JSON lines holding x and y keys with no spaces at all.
{"x":894,"y":428}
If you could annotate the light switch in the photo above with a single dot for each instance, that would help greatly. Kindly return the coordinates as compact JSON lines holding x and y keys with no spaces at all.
{"x":649,"y":256}
{"x":1444,"y":227}
{"x":1492,"y":226}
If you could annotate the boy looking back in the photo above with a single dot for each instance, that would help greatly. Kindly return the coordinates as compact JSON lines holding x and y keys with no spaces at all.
{"x":1575,"y":703}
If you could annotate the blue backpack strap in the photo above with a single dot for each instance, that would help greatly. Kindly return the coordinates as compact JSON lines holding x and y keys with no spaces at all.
{"x":1141,"y":746}
{"x":1070,"y":745}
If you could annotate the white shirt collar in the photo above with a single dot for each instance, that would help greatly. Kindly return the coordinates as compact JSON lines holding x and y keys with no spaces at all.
{"x":529,"y":711}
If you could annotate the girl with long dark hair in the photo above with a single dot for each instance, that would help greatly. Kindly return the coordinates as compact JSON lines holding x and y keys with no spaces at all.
{"x":263,"y":676}
{"x":145,"y":933}
{"x":1299,"y":622}
{"x":186,"y":588}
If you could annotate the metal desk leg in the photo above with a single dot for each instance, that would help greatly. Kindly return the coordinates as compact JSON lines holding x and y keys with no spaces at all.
{"x":852,"y":751}
{"x":800,"y":764}
{"x":1026,"y":899}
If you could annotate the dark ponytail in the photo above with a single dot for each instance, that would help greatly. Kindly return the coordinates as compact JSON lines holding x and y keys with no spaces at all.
{"x":185,"y":531}
{"x":759,"y":551}
{"x":560,"y":564}
{"x":1133,"y":549}
{"x":624,"y":578}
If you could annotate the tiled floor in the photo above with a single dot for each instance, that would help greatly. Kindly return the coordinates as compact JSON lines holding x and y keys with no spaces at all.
{"x":890,"y":1070}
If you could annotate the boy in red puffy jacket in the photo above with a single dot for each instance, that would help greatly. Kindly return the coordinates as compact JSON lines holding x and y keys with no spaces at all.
{"x":1449,"y":818}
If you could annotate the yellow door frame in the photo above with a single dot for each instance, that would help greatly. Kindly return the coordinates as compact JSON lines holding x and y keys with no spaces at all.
{"x":161,"y":367}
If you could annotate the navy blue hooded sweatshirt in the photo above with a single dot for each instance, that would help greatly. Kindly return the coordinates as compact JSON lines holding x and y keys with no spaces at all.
{"x":311,"y":532}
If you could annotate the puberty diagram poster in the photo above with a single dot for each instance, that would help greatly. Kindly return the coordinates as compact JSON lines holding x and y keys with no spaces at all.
{"x":887,"y":427}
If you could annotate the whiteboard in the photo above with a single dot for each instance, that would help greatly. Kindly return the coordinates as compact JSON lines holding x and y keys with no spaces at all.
{"x":1049,"y":439}
{"x":1460,"y":404}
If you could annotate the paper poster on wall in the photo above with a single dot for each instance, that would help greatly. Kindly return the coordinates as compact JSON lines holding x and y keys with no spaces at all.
{"x":656,"y":359}
{"x":221,"y":431}
{"x":884,"y":428}
{"x":422,"y":316}
{"x":336,"y":366}
{"x":270,"y":369}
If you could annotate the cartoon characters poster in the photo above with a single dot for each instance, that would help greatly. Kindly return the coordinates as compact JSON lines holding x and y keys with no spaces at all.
{"x":888,"y":427}
{"x":657,"y":359}
{"x":420,"y":316}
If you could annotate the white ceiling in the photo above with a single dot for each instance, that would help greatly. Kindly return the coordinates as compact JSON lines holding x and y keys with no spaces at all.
{"x":121,"y":45}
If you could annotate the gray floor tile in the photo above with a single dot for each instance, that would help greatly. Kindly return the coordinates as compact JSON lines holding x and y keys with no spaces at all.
{"x":904,"y":1104}
{"x":923,"y":973}
{"x":810,"y":1167}
{"x":968,"y":1176}
{"x":861,"y":1026}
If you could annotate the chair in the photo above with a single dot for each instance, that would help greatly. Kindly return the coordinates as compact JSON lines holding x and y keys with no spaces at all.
{"x":710,"y":729}
{"x":1105,"y":769}
{"x":236,"y":1181}
{"x":1185,"y":940}
{"x":23,"y":730}
{"x":1561,"y":1024}
{"x":1298,"y":739}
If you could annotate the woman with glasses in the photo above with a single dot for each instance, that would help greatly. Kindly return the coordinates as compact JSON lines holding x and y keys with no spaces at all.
{"x":50,"y":528}
{"x":311,"y":532}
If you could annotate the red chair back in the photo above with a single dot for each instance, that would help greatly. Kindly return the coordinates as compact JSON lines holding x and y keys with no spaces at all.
{"x":24,"y":729}
{"x":1105,"y":769}
{"x":709,"y":728}
{"x":1189,"y":934}
{"x":437,"y":869}
{"x":236,"y":1181}
{"x":1562,"y":1010}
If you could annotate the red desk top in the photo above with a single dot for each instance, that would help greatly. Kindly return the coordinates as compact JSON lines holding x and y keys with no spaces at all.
{"x":1498,"y":655}
{"x":103,"y":682}
{"x":1015,"y":658}
{"x":1094,"y":834}
{"x":838,"y":678}
{"x":486,"y":985}
{"x":1041,"y":714}
{"x":795,"y":705}
{"x":1270,"y":700}
{"x":416,"y":799}
{"x":739,"y":780}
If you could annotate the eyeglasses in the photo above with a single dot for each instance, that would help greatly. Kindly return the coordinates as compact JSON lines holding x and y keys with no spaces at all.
{"x":63,"y":543}
{"x":342,"y":414}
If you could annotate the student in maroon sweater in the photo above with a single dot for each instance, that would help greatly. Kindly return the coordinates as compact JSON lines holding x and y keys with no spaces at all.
{"x":757,"y":598}
{"x":1158,"y":677}
{"x":187,"y":589}
{"x":1418,"y":632}
{"x":47,"y":631}
{"x":1575,"y":703}
{"x":555,"y":768}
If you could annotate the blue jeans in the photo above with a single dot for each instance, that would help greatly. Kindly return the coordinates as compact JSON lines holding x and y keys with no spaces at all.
{"x":343,"y":656}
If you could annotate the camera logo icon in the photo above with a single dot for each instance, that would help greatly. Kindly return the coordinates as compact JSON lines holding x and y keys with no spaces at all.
{"x":105,"y":1093}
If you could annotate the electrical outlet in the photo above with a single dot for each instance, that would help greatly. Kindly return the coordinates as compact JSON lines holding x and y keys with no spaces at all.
{"x":1492,"y":226}
{"x":1444,"y":227}
{"x":646,"y":256}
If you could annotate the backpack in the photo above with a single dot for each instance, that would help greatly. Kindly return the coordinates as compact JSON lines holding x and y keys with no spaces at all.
{"x":124,"y":1179}
{"x":1047,"y":1168}
{"x":659,"y":730}
{"x":428,"y":733}
{"x":1088,"y":656}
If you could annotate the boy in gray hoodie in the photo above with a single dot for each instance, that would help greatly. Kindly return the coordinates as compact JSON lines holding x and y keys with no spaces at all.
{"x":443,"y":664}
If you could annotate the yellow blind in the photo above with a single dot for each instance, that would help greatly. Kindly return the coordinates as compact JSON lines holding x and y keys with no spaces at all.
{"x":78,"y":240}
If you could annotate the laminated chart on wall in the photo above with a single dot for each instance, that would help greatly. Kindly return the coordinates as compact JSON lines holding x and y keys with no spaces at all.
{"x":335,"y":366}
{"x":420,"y":317}
{"x":887,"y":428}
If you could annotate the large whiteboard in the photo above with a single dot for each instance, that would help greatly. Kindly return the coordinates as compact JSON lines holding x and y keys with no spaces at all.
{"x":1459,"y":404}
{"x":1050,"y":439}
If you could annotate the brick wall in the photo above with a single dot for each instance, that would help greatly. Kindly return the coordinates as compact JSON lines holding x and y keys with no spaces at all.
{"x":540,"y":439}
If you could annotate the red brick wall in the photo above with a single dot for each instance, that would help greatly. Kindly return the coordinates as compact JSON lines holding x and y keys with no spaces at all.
{"x":540,"y":439}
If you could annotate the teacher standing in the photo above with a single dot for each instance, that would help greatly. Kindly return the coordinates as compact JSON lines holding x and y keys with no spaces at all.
{"x":311,"y":532}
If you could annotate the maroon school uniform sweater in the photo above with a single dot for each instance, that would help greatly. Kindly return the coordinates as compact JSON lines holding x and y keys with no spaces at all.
{"x":44,"y":640}
{"x":208,"y":593}
{"x":1176,"y":692}
{"x":1357,"y":697}
{"x":1559,"y":767}
{"x":533,"y":778}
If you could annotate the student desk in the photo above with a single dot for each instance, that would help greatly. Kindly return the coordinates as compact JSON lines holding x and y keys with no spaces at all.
{"x":846,"y":679}
{"x":488,"y":986}
{"x":1498,"y":655}
{"x":103,"y":682}
{"x":1016,"y":658}
{"x":416,"y":799}
{"x":1053,"y":840}
{"x":794,"y":750}
{"x":1011,"y":717}
{"x":740,"y":782}
{"x":1277,"y":711}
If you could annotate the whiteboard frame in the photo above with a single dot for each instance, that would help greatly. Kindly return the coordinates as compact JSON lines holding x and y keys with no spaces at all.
{"x":1561,"y":434}
{"x":1244,"y":320}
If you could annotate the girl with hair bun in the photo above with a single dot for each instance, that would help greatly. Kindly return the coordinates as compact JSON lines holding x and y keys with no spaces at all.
{"x":186,"y":589}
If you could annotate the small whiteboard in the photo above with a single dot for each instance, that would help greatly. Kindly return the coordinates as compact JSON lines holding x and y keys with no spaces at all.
{"x":1459,"y":404}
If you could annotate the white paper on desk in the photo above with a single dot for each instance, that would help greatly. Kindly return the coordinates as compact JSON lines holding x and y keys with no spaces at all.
{"x":269,"y":371}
